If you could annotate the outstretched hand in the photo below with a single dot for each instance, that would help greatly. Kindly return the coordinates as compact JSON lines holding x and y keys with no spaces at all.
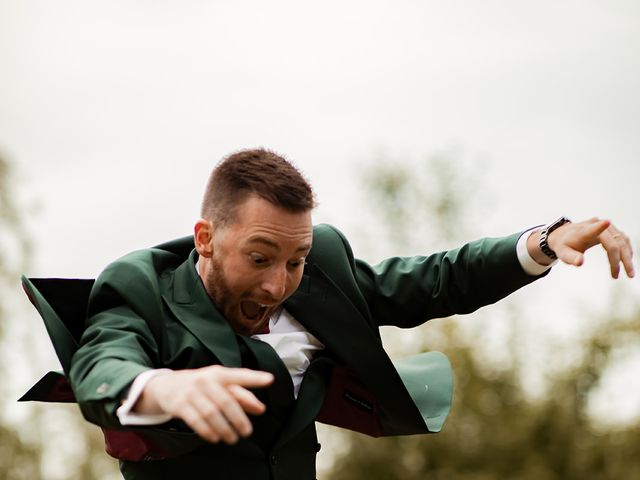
{"x":213,"y":401}
{"x":572,"y":240}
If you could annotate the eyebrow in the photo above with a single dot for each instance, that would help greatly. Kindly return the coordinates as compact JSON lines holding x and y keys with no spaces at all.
{"x":270,"y":243}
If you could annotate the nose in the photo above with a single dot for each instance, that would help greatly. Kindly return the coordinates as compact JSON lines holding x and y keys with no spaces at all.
{"x":275,"y":282}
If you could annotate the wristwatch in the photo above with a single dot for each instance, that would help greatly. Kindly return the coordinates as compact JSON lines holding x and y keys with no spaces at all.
{"x":544,"y":236}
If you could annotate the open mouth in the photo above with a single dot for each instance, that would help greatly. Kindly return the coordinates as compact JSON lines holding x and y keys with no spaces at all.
{"x":252,"y":310}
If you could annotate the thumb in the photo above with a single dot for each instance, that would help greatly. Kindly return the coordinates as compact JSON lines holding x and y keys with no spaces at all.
{"x":570,"y":256}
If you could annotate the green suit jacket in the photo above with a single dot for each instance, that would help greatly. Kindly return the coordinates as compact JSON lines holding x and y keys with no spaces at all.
{"x":149,"y":309}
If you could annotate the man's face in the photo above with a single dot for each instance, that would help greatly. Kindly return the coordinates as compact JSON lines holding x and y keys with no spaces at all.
{"x":256,"y":262}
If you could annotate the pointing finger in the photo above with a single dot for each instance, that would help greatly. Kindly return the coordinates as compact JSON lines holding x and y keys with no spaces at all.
{"x":243,"y":376}
{"x":596,"y":228}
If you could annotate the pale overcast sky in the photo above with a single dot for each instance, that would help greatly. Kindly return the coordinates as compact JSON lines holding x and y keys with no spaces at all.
{"x":115,"y":111}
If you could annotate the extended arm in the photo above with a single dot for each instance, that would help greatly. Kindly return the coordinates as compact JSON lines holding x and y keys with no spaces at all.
{"x":126,"y":336}
{"x":408,"y":291}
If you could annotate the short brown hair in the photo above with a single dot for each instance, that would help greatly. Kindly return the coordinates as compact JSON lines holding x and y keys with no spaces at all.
{"x":260,"y":172}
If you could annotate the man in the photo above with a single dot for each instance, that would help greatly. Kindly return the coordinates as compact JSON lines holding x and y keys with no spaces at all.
{"x":220,"y":359}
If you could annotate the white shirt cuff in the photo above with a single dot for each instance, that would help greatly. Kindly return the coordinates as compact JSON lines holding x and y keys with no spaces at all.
{"x":124,"y":413}
{"x":529,"y":265}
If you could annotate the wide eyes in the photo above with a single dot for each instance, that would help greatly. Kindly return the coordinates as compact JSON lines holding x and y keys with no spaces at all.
{"x":260,"y":260}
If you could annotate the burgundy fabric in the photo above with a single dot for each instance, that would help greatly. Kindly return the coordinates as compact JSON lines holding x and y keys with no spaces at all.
{"x":52,"y":387}
{"x":132,"y":446}
{"x":348,"y":404}
{"x":61,"y":391}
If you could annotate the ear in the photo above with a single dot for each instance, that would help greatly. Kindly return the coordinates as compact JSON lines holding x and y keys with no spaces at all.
{"x":203,"y":238}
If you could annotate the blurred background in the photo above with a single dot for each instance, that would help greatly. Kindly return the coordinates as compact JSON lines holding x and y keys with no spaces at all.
{"x":420,"y":124}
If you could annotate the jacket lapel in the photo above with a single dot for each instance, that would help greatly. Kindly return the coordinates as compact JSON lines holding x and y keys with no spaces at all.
{"x":280,"y":392}
{"x":186,"y":297}
{"x":328,"y":313}
{"x":321,"y":307}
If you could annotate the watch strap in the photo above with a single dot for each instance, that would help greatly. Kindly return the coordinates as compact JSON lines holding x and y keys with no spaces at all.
{"x":544,"y":236}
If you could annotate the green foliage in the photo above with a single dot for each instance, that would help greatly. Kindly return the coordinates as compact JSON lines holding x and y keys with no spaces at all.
{"x":14,"y":244}
{"x":430,"y":198}
{"x":497,"y":428}
{"x":20,"y":458}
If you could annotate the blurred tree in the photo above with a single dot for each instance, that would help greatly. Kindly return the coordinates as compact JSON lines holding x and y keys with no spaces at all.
{"x":496,"y":428}
{"x":26,"y":452}
{"x":18,"y":460}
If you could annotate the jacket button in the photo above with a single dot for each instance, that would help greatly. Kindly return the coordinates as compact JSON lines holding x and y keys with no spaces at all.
{"x":102,"y":388}
{"x":274,"y":460}
{"x":318,"y":447}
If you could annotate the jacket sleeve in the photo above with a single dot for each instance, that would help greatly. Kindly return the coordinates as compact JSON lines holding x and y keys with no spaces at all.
{"x":118,"y":343}
{"x":407,"y":291}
